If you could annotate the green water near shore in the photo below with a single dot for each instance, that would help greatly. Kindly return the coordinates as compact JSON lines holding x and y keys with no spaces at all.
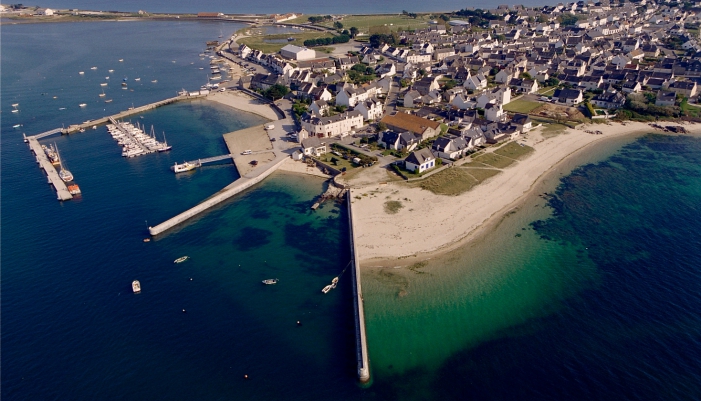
{"x":420,"y":315}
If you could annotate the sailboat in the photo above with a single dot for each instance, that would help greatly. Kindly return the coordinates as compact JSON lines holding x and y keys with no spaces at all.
{"x":165,"y":147}
{"x":65,"y":175}
{"x":102,"y":94}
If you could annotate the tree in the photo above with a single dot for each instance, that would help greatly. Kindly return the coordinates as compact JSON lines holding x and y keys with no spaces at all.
{"x":276,"y":91}
{"x":381,"y":126}
{"x":444,"y":17}
{"x":353,"y":32}
{"x":450,"y":84}
{"x":338,"y":25}
{"x":526,"y":75}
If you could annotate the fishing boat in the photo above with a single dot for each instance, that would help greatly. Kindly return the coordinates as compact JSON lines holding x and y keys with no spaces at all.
{"x":107,"y":77}
{"x":82,"y":104}
{"x":103,"y":84}
{"x":15,"y":111}
{"x":74,"y":189}
{"x":15,"y":104}
{"x":164,"y":147}
{"x":102,"y":94}
{"x":154,"y":81}
{"x":16,"y":125}
{"x":108,"y":101}
{"x":81,"y":72}
{"x":124,"y":84}
{"x":136,"y":286}
{"x":331,"y":286}
{"x":137,"y":79}
{"x":93,"y":68}
{"x":181,"y":259}
{"x":110,"y":70}
{"x":270,"y":281}
{"x":187,"y":166}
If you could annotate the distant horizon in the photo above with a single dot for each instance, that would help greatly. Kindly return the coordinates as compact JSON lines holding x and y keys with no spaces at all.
{"x":274,"y":7}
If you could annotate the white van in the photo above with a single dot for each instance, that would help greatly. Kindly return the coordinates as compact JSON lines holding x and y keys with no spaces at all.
{"x":269,"y":126}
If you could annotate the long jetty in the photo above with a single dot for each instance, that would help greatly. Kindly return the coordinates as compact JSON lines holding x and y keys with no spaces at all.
{"x":61,"y":189}
{"x":130,"y":112}
{"x":361,"y":340}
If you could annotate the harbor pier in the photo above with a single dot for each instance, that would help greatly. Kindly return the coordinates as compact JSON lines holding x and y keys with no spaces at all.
{"x":58,"y":184}
{"x":234,"y":188}
{"x":361,"y":341}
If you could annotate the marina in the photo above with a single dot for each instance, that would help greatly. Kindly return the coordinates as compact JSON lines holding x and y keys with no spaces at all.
{"x":59,"y":185}
{"x":134,"y":141}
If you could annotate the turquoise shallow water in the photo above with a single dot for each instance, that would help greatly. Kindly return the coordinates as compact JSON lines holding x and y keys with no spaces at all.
{"x":589,"y":293}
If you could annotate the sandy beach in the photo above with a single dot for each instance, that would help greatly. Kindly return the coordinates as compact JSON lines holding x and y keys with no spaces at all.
{"x":429,"y":223}
{"x":243,"y":102}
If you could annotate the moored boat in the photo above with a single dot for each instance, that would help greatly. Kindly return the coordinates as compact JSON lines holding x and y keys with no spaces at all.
{"x":181,"y":259}
{"x":74,"y":189}
{"x":187,"y":166}
{"x":136,"y":286}
{"x":164,"y":146}
{"x":270,"y":281}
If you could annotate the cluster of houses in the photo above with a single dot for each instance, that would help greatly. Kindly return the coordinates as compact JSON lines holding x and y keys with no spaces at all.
{"x":612,"y":49}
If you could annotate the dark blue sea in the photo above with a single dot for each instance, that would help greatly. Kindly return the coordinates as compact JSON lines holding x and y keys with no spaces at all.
{"x":591,"y":292}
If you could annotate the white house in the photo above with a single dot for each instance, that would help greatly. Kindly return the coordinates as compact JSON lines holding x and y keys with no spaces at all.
{"x":476,"y":82}
{"x":313,"y":146}
{"x":493,"y":112}
{"x":371,"y":109}
{"x":351,"y":96}
{"x":420,"y":160}
{"x":293,"y":52}
{"x":337,"y":125}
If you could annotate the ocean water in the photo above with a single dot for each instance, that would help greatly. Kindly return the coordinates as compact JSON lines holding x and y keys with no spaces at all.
{"x":72,"y":329}
{"x":271,"y":6}
{"x":589,"y":293}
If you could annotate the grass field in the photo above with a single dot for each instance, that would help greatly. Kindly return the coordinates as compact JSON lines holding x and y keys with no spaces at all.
{"x":521,"y":106}
{"x":258,"y":42}
{"x":474,"y":164}
{"x":547,"y":91}
{"x":494,"y":160}
{"x":340,"y":162}
{"x":514,"y":150}
{"x":452,"y":181}
{"x":481,"y":174}
{"x":364,"y":22}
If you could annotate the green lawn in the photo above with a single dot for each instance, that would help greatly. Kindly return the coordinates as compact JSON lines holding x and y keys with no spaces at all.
{"x":340,"y":163}
{"x":481,"y":174}
{"x":547,"y":91}
{"x":392,"y":21}
{"x":258,"y":42}
{"x":451,"y":181}
{"x":494,"y":160}
{"x":521,"y":106}
{"x":514,"y":150}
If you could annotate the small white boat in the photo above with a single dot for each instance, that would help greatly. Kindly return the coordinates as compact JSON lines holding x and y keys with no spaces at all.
{"x":154,"y":81}
{"x":102,"y":94}
{"x":15,"y":104}
{"x":16,"y":125}
{"x":108,"y":101}
{"x":82,"y":104}
{"x":121,"y":59}
{"x":137,"y":79}
{"x":107,"y":77}
{"x":181,"y":259}
{"x":164,"y":147}
{"x":331,"y":286}
{"x":82,"y":73}
{"x":103,"y":84}
{"x":62,"y":108}
{"x":15,"y":111}
{"x":136,"y":286}
{"x":181,"y":168}
{"x":110,"y":70}
{"x":270,"y":281}
{"x":93,"y":68}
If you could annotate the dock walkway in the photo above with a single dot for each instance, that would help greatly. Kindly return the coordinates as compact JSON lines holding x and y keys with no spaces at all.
{"x":61,"y":189}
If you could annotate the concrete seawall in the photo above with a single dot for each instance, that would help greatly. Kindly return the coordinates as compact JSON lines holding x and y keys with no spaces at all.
{"x":128,"y":113}
{"x":236,"y":187}
{"x":360,"y":338}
